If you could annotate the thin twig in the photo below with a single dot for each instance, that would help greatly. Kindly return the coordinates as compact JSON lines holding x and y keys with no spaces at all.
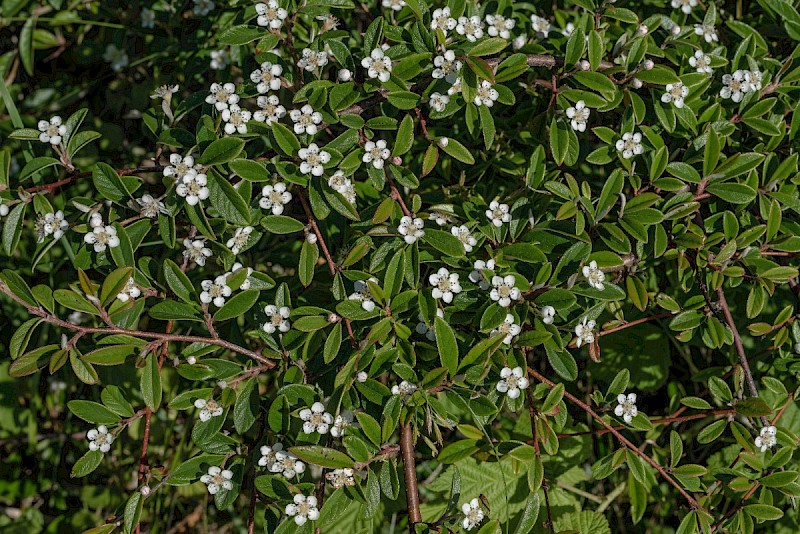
{"x":671,"y":420}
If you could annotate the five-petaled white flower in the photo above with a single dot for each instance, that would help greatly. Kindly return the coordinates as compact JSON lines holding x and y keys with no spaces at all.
{"x":100,"y":439}
{"x":378,"y":65}
{"x":202,"y":8}
{"x":53,"y":131}
{"x":340,"y":478}
{"x":441,"y":20}
{"x":446,"y":66}
{"x":101,"y":237}
{"x":584,"y":332}
{"x":270,"y":14}
{"x":463,"y":235}
{"x":302,"y":509}
{"x":473,"y":515}
{"x":314,"y":160}
{"x":118,"y":57}
{"x":675,"y":93}
{"x":316,"y":419}
{"x":754,"y":78}
{"x":267,"y":78}
{"x":594,"y":275}
{"x":193,"y":188}
{"x":339,"y":182}
{"x":504,"y":291}
{"x":428,"y":331}
{"x":439,"y":217}
{"x":271,"y":109}
{"x":439,"y":101}
{"x":509,"y":327}
{"x":215,"y":291}
{"x":701,"y":62}
{"x":165,"y":92}
{"x":130,"y":291}
{"x":277,"y":319}
{"x":148,"y":18}
{"x":150,"y":207}
{"x":445,"y":285}
{"x":404,"y":390}
{"x":208,"y":409}
{"x":499,"y":26}
{"x":269,"y":454}
{"x":341,"y":423}
{"x":363,"y":294}
{"x":219,"y":59}
{"x":235,"y":119}
{"x":411,"y":229}
{"x":222,"y":95}
{"x":477,"y":277}
{"x":287,"y":464}
{"x":548,"y":314}
{"x":275,"y":197}
{"x":470,"y":27}
{"x":579,"y":115}
{"x":767,"y":438}
{"x":312,"y":60}
{"x":217,"y":479}
{"x":684,"y":5}
{"x":239,"y":239}
{"x":626,"y":407}
{"x":486,"y":94}
{"x":375,"y":152}
{"x":498,"y":213}
{"x":196,"y":251}
{"x":540,"y":25}
{"x":180,"y":166}
{"x":708,"y":32}
{"x":736,"y":85}
{"x":630,"y":145}
{"x":305,"y":120}
{"x":51,"y":224}
{"x":512,"y":381}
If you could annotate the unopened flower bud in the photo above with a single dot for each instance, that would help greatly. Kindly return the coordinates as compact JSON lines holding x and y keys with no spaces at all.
{"x":332,"y":318}
{"x":648,"y":64}
{"x":676,"y":30}
{"x":642,"y":30}
{"x":191,"y":360}
{"x":397,"y":160}
{"x":443,"y":141}
{"x":345,"y":75}
{"x":311,"y":237}
{"x":145,"y":491}
{"x":362,"y":377}
{"x":636,"y":83}
{"x":585,"y":65}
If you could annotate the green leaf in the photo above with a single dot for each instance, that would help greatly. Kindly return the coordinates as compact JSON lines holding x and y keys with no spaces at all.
{"x":559,"y":140}
{"x":150,"y":382}
{"x":763,"y":512}
{"x":178,"y":282}
{"x":487,"y":126}
{"x":444,"y":242}
{"x":403,"y":99}
{"x":86,"y":464}
{"x":281,"y":224}
{"x":458,"y":151}
{"x":26,"y":52}
{"x":114,"y":283}
{"x":12,"y":228}
{"x":309,"y":254}
{"x":488,"y":47}
{"x":322,"y":456}
{"x":287,"y":141}
{"x":446,"y":342}
{"x":732,"y":192}
{"x":115,"y":400}
{"x":405,"y":137}
{"x":227,"y":201}
{"x":237,"y":305}
{"x":246,"y":409}
{"x":93,"y":412}
{"x":252,"y":171}
{"x":711,"y":432}
{"x":192,"y":469}
{"x":221,"y":151}
{"x":752,"y":407}
{"x":36,"y":165}
{"x":239,"y":35}
{"x":108,"y":183}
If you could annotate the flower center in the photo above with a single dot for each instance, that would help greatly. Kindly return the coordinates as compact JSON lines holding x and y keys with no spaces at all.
{"x":287,"y":464}
{"x":469,"y":28}
{"x":444,"y":284}
{"x":306,"y":120}
{"x":236,"y":119}
{"x":194,"y":187}
{"x":317,"y":419}
{"x":376,"y":153}
{"x":276,"y":319}
{"x":214,"y":291}
{"x":52,"y":130}
{"x":222,"y":95}
{"x":630,"y":144}
{"x":273,"y":14}
{"x":676,"y":91}
{"x":102,"y":238}
{"x":497,"y":214}
{"x":512,"y":382}
{"x":102,"y":439}
{"x":303,"y":508}
{"x":312,"y":159}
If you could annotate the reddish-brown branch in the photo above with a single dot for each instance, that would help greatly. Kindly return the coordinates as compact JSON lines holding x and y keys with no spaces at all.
{"x":396,"y":194}
{"x":634,"y":323}
{"x":410,"y":475}
{"x":74,"y":177}
{"x":736,"y":508}
{"x":671,"y":420}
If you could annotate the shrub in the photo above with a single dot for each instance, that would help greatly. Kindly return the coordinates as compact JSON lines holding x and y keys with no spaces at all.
{"x":401,"y":267}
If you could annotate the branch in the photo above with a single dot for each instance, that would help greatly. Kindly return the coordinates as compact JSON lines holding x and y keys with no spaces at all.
{"x":410,"y":475}
{"x":74,"y":177}
{"x":671,"y":420}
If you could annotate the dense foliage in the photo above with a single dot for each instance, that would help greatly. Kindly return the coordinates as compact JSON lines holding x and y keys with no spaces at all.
{"x":399,"y":266}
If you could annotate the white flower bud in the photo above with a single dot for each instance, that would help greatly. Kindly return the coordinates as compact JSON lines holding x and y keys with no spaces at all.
{"x":397,"y":160}
{"x":345,"y":75}
{"x":676,"y":30}
{"x":311,"y":237}
{"x":332,"y":318}
{"x":585,"y":65}
{"x":642,"y":30}
{"x":362,"y":377}
{"x":145,"y":491}
{"x":636,"y":83}
{"x":222,"y":384}
{"x":648,"y":64}
{"x":191,"y":360}
{"x":443,"y":141}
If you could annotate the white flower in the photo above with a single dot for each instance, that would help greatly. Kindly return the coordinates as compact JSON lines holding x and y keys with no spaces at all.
{"x":439,"y":217}
{"x":275,"y":197}
{"x":708,"y":32}
{"x":470,"y":27}
{"x":239,"y":239}
{"x":540,"y":25}
{"x":165,"y":92}
{"x":236,"y":268}
{"x":267,"y":78}
{"x":287,"y":464}
{"x":473,"y":515}
{"x":350,"y":194}
{"x":411,"y":229}
{"x":130,"y":292}
{"x":193,"y":188}
{"x":339,"y":182}
{"x":208,"y":409}
{"x":568,"y":29}
{"x":455,"y":88}
{"x":504,"y":290}
{"x":584,"y":332}
{"x":219,"y":59}
{"x":441,"y":20}
{"x":548,"y":314}
{"x":509,"y":328}
{"x":519,"y":41}
{"x":630,"y":144}
{"x":445,"y":285}
{"x":378,"y":65}
{"x":446,"y":66}
{"x":316,"y":419}
{"x":394,"y":5}
{"x":269,"y":454}
{"x":512,"y":381}
{"x":463,"y":235}
{"x":150,"y":207}
{"x":376,"y":153}
{"x":439,"y":101}
{"x":271,"y":109}
{"x":100,"y":439}
{"x":767,"y":439}
{"x":340,"y":424}
{"x":676,"y":92}
{"x":54,"y":224}
{"x":118,"y":57}
{"x":235,"y":119}
{"x":363,"y":294}
{"x":486,"y":94}
{"x":215,"y":291}
{"x":754,"y":78}
{"x":476,"y":276}
{"x":217,"y":479}
{"x":270,"y":14}
{"x":579,"y":115}
{"x":52,"y":131}
{"x":196,"y":251}
{"x":312,"y":60}
{"x":498,"y":213}
{"x":179,"y":166}
{"x":626,"y":407}
{"x":305,"y":120}
{"x":428,"y":331}
{"x":404,"y":390}
{"x":736,"y":85}
{"x":277,"y":319}
{"x":303,"y":509}
{"x":684,"y":5}
{"x":594,"y":275}
{"x":221,"y":96}
{"x":148,"y":18}
{"x":102,"y":237}
{"x":701,"y":62}
{"x":340,"y":478}
{"x":313,"y":160}
{"x":362,"y":377}
{"x":500,"y":26}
